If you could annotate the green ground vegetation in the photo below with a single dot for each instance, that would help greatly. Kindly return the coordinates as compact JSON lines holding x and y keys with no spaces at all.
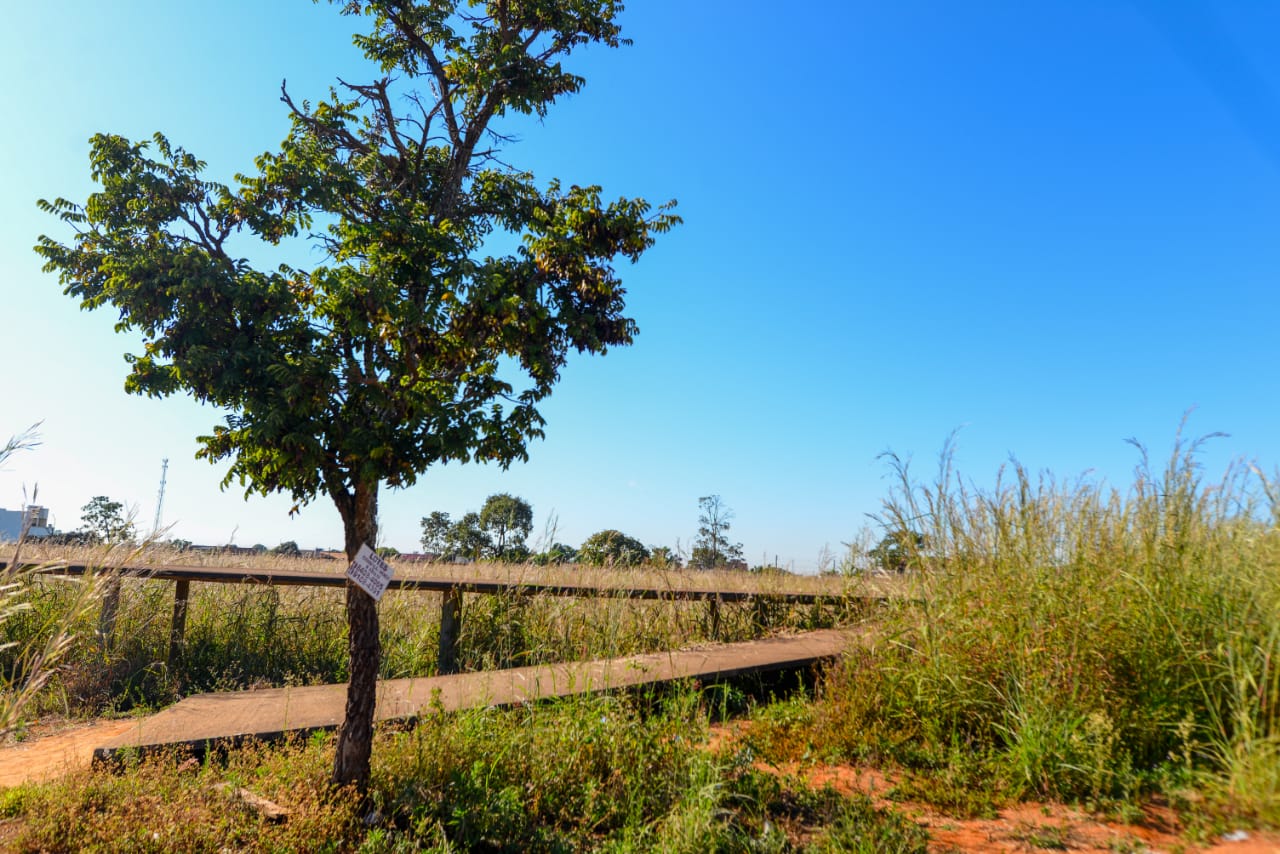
{"x":598,"y":773}
{"x":1071,"y":642}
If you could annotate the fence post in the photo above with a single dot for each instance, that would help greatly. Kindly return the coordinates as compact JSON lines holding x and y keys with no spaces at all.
{"x":107,"y":617}
{"x":450,"y":629}
{"x":714,"y":609}
{"x":181,"y":592}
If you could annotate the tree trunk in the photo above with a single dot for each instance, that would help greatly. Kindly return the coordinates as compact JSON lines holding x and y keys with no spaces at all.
{"x":359,"y":511}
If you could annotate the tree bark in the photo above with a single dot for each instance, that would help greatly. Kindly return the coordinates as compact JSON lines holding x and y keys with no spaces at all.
{"x":359,"y":510}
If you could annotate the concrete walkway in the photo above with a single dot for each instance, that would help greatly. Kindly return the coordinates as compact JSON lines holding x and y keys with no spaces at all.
{"x":271,"y":713}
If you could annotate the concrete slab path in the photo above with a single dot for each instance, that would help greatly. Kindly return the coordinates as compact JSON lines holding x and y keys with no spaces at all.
{"x":271,"y":713}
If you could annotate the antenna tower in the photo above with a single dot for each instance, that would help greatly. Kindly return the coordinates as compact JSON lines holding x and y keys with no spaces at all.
{"x":164,"y":471}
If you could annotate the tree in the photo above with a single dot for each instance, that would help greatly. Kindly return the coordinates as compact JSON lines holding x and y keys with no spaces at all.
{"x":711,"y":548}
{"x":288,"y":548}
{"x":664,"y":557}
{"x":104,"y":521}
{"x":435,"y":533}
{"x":409,"y":344}
{"x":508,"y":521}
{"x":612,"y":548}
{"x":467,"y":539}
{"x":896,"y":550}
{"x":498,"y":531}
{"x":558,"y":553}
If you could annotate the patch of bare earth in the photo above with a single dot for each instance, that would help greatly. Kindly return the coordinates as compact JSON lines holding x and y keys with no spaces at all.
{"x":1023,"y":827}
{"x":49,"y":749}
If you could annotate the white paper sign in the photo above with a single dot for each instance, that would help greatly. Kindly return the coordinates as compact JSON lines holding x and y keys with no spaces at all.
{"x":370,"y":572}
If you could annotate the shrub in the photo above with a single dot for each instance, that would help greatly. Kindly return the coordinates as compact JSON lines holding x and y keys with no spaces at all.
{"x":612,"y":548}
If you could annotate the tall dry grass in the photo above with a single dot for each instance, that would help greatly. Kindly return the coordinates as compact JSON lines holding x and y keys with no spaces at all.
{"x":30,"y":658}
{"x":1073,"y":640}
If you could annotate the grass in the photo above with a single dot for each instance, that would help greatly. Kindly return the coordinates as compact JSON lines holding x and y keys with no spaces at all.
{"x":30,"y":658}
{"x":1046,"y":837}
{"x":614,"y":773}
{"x":1074,"y":642}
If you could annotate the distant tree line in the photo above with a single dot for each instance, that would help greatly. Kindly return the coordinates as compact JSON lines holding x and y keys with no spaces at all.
{"x":497,"y":532}
{"x":500,"y":529}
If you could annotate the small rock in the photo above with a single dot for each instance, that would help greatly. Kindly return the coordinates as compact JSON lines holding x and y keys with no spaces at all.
{"x":1235,"y":836}
{"x":271,"y":812}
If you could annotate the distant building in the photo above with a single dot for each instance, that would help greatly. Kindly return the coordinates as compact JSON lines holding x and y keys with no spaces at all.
{"x":250,"y":551}
{"x":416,"y":557}
{"x":34,"y":520}
{"x":236,"y":551}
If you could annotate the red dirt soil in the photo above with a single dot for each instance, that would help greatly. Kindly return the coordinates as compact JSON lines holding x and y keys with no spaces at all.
{"x":52,"y":748}
{"x":1023,"y":827}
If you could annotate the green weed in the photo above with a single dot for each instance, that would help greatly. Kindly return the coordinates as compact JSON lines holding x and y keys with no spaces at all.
{"x":1088,"y":643}
{"x":590,"y":773}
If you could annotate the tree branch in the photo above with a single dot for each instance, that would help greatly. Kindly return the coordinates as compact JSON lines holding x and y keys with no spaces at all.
{"x":346,"y":138}
{"x":437,"y":71}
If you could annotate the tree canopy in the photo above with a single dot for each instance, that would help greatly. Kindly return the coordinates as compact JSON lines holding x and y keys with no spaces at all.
{"x":897,"y":550}
{"x":712,"y":548}
{"x":556,"y":553}
{"x":104,"y":520}
{"x":288,"y":548}
{"x":497,"y":532}
{"x":508,"y":520}
{"x":435,"y":533}
{"x":411,"y":342}
{"x":612,"y":548}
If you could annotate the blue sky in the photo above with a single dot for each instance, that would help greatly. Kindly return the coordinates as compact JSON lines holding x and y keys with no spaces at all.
{"x":1053,"y":226}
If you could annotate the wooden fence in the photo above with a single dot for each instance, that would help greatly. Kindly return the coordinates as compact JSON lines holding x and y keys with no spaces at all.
{"x":451,"y":590}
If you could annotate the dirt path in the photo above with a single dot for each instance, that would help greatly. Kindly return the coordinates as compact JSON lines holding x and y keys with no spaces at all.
{"x":50,"y":750}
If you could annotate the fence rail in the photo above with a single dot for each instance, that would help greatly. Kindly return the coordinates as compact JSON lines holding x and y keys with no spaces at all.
{"x":439,"y":584}
{"x":450,"y":588}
